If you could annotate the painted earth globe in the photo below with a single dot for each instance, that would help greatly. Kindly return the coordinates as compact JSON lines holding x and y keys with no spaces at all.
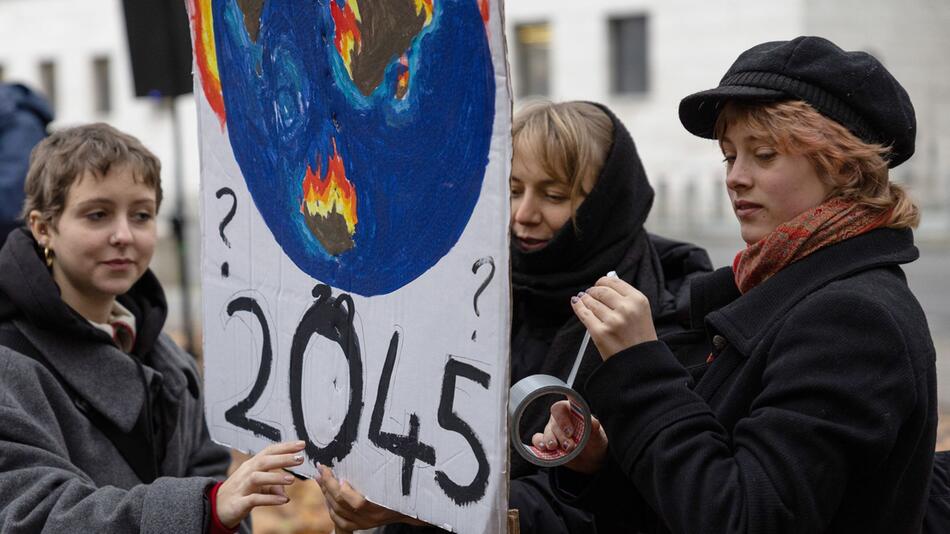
{"x":361,"y":127}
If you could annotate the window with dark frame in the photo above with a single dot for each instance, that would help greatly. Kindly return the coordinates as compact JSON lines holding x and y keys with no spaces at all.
{"x":533,"y":44}
{"x":629,"y":68}
{"x":48,"y":80}
{"x":102,"y":81}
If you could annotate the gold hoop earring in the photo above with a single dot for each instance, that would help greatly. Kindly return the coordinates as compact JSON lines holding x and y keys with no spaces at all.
{"x":48,"y":257}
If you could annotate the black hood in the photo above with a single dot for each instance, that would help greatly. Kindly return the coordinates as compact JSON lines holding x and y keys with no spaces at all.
{"x":28,"y":292}
{"x":607,"y":223}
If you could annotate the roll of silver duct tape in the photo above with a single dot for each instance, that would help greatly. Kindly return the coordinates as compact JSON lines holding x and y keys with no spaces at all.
{"x":528,"y":390}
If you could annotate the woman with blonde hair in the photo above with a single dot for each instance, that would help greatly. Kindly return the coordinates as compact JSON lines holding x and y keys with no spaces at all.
{"x":817,"y":409}
{"x":579,"y":199}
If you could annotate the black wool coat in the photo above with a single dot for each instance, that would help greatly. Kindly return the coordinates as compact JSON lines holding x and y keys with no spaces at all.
{"x":607,"y":234}
{"x":817,"y":414}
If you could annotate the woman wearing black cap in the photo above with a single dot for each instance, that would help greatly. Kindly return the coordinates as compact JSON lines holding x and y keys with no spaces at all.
{"x":579,"y":198}
{"x":817,"y":410}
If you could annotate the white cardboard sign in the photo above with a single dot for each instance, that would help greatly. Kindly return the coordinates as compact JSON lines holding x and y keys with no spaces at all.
{"x":354,"y":166}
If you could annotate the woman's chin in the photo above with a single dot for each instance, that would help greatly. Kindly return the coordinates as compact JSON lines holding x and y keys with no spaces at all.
{"x":752,"y":234}
{"x":531,"y":245}
{"x":114,"y":287}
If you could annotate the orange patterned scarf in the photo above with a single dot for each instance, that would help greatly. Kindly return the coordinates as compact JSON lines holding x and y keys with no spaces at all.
{"x":830,"y":222}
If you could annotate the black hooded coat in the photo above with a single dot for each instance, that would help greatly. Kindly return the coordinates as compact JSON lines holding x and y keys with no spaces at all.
{"x":607,"y":235}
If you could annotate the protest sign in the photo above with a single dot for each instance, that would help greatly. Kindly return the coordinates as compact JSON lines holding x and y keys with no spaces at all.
{"x":354,"y":168}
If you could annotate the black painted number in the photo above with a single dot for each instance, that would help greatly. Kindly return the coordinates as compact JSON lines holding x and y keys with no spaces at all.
{"x":328,"y":317}
{"x":237,"y":414}
{"x":409,"y":448}
{"x":451,"y":421}
{"x":332,"y":319}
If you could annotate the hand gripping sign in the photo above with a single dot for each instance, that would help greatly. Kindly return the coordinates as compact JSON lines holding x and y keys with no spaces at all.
{"x":354,"y":158}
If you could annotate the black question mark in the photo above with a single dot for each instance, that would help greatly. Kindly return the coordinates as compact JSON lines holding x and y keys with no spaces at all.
{"x":475,"y":267}
{"x":225,"y":269}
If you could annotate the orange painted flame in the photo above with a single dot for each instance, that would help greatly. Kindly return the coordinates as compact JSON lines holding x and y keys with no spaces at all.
{"x":206,"y":58}
{"x":402,"y":81}
{"x":332,"y":192}
{"x":483,"y":7}
{"x":347,"y":36}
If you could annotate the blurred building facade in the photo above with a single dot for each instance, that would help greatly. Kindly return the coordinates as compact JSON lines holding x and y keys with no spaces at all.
{"x":637,"y":56}
{"x":641,"y":57}
{"x":76,"y":52}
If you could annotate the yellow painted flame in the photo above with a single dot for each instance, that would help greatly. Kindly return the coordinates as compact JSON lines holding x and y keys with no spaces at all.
{"x":427,"y":6}
{"x":324,"y":195}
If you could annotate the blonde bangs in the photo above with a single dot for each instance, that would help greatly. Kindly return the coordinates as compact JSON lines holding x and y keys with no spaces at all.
{"x":568,"y":141}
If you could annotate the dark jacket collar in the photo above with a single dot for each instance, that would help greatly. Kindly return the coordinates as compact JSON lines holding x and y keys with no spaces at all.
{"x":100,"y":373}
{"x":107,"y":378}
{"x":744,"y":321}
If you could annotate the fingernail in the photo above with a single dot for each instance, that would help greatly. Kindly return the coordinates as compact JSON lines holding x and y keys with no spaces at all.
{"x":318,"y":477}
{"x":581,"y":294}
{"x":300,"y":443}
{"x":298,"y":458}
{"x":568,"y":445}
{"x":568,"y":431}
{"x":288,"y":478}
{"x":575,"y":300}
{"x":551,"y":444}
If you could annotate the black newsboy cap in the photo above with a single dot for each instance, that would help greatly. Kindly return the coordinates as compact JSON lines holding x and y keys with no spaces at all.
{"x":852,"y":88}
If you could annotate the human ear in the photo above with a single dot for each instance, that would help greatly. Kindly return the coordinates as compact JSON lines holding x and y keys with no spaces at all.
{"x":39,"y":227}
